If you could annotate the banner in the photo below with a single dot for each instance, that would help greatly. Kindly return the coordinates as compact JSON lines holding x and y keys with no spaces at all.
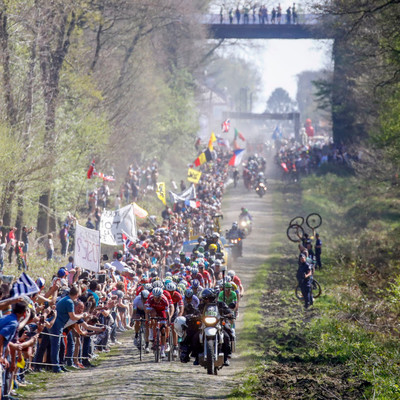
{"x":193,"y":175}
{"x":87,"y":248}
{"x":139,"y":211}
{"x":161,"y":192}
{"x":188,"y":194}
{"x":113,"y":223}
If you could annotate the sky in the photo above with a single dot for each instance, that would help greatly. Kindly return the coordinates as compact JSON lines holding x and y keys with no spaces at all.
{"x":280,"y":61}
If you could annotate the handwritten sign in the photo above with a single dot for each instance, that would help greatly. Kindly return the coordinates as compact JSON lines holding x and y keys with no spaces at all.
{"x":87,"y":248}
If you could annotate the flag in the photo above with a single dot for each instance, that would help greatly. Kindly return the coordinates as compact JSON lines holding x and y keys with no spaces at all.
{"x":236,"y":158}
{"x":193,"y":175}
{"x":161,"y":192}
{"x":126,"y":242}
{"x":192,"y":203}
{"x":223,"y":142}
{"x":139,"y":211}
{"x":90,"y":170}
{"x":107,"y":178}
{"x":237,"y":133}
{"x":203,"y":158}
{"x":211,"y":141}
{"x":225,"y":126}
{"x":24,"y":286}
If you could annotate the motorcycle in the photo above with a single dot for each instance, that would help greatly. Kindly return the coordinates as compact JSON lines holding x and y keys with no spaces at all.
{"x":212,"y":338}
{"x":245,"y":224}
{"x":261,"y":189}
{"x":235,"y":243}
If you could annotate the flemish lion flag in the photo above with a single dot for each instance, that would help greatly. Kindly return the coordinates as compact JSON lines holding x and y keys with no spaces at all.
{"x":203,"y":158}
{"x":211,"y":141}
{"x":193,"y":175}
{"x":161,"y":192}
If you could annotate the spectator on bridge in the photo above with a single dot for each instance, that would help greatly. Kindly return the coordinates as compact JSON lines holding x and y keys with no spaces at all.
{"x":237,"y":13}
{"x":279,"y":13}
{"x":254,"y":14}
{"x":288,"y":15}
{"x":221,"y":15}
{"x":260,"y":15}
{"x":230,"y":18}
{"x":294,"y":14}
{"x":246,"y":15}
{"x":265,"y":15}
{"x":273,"y":16}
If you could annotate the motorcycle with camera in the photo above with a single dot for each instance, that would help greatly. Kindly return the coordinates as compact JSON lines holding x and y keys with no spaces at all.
{"x":235,"y":240}
{"x":215,"y":336}
{"x":261,"y":189}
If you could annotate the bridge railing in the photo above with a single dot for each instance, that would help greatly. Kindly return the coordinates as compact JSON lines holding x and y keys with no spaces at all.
{"x":302,"y":19}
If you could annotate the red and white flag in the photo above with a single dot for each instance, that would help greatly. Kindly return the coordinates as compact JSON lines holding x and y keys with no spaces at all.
{"x":226,"y":125}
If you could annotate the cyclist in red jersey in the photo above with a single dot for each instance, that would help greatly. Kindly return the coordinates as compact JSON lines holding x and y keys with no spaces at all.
{"x":237,"y":281}
{"x":157,"y":305}
{"x":206,"y":275}
{"x":177,"y":302}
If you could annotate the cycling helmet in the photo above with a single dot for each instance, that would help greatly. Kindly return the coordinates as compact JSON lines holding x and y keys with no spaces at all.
{"x":213,"y":247}
{"x":200,"y":239}
{"x":228,"y":285}
{"x":183,"y":283}
{"x":181,"y":290}
{"x":208,"y":294}
{"x":175,"y":278}
{"x":157,"y":292}
{"x":217,"y":262}
{"x":202,"y":244}
{"x":200,"y":250}
{"x":177,"y":260}
{"x":215,"y":235}
{"x":231,"y":273}
{"x":182,"y":253}
{"x":154,"y":274}
{"x":148,"y":286}
{"x":145,"y":294}
{"x":196,"y":283}
{"x":157,"y":284}
{"x":180,"y":325}
{"x":187,"y":260}
{"x":228,"y":279}
{"x":167,"y":280}
{"x":195,"y":271}
{"x":170,"y":286}
{"x":168,"y":274}
{"x":189,"y":292}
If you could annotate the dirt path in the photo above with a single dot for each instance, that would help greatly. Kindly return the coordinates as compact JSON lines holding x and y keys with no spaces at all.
{"x":123,"y":376}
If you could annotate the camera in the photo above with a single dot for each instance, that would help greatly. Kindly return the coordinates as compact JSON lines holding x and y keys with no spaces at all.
{"x":101,"y":278}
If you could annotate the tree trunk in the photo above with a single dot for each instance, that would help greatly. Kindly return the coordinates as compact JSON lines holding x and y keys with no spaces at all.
{"x":8,"y":204}
{"x":43,"y":220}
{"x":20,"y":215}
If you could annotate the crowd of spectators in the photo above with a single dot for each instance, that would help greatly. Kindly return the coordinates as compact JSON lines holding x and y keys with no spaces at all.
{"x":78,"y":313}
{"x":260,"y":14}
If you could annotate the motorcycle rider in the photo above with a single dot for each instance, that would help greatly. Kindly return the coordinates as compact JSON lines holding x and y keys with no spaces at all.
{"x":235,"y":176}
{"x":236,"y":233}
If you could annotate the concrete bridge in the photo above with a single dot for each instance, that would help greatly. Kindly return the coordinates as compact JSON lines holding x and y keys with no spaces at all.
{"x":308,"y":26}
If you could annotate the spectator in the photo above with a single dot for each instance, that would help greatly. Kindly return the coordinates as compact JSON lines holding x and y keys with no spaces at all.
{"x":49,"y":246}
{"x":64,"y":238}
{"x":89,"y":223}
{"x":65,"y":311}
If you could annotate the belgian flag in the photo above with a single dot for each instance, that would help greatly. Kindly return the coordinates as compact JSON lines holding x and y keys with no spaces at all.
{"x":203,"y":158}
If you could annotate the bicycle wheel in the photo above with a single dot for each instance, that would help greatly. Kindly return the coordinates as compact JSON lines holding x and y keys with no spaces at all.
{"x":316,"y":289}
{"x":295,"y":233}
{"x":313,"y":221}
{"x":297,"y":221}
{"x":298,"y":293}
{"x":157,"y":350}
{"x":141,"y":337}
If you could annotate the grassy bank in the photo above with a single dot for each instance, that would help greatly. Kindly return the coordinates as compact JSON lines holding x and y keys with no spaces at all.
{"x":347,"y":346}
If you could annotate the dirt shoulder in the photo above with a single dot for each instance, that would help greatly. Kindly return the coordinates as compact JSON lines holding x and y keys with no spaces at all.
{"x":123,"y":376}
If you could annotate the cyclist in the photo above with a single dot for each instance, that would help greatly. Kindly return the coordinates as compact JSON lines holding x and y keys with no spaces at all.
{"x":229,"y":296}
{"x":196,"y":287}
{"x":205,"y":275}
{"x":177,"y":302}
{"x":190,"y":302}
{"x":237,"y":281}
{"x":157,"y":305}
{"x":139,"y":313}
